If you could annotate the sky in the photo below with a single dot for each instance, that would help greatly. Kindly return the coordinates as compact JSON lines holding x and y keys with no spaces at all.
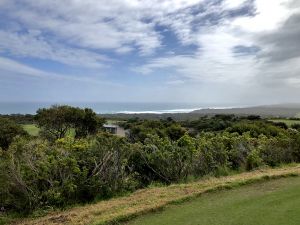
{"x":199,"y":51}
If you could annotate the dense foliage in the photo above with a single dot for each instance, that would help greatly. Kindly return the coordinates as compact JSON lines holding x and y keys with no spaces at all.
{"x":56,"y":121}
{"x":20,"y":118}
{"x":140,"y":129}
{"x":59,"y":170}
{"x":8,"y":131}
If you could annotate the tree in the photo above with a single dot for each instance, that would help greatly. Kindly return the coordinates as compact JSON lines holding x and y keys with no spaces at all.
{"x":55,"y":121}
{"x":8,"y":131}
{"x":58,"y":120}
{"x":87,"y":123}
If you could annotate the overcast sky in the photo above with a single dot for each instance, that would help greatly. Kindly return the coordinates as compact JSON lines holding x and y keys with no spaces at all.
{"x":206,"y":51}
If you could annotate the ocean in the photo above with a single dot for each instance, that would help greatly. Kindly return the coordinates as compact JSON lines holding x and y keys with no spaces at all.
{"x":108,"y":108}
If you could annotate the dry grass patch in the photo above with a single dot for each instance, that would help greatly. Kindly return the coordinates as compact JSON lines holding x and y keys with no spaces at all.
{"x":151,"y":199}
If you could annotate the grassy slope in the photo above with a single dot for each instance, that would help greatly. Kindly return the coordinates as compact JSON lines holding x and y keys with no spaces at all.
{"x":288,"y":122}
{"x":147,"y":200}
{"x":275,"y":202}
{"x":31,"y":129}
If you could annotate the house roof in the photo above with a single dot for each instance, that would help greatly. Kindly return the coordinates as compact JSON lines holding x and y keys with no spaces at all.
{"x":110,"y":126}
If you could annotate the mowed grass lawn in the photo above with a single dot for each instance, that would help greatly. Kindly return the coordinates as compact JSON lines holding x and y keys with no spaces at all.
{"x":288,"y":122}
{"x":275,"y":202}
{"x":31,"y":129}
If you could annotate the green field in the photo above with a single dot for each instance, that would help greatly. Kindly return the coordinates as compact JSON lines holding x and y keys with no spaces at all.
{"x":31,"y":129}
{"x":275,"y":202}
{"x":288,"y":122}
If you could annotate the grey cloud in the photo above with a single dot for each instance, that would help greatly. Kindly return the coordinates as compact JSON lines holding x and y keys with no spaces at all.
{"x":283,"y":43}
{"x":294,"y":4}
{"x":241,"y":50}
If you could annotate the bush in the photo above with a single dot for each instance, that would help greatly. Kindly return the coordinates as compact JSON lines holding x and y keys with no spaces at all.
{"x":211,"y":155}
{"x":40,"y":174}
{"x":296,"y":126}
{"x":275,"y":151}
{"x":37,"y":173}
{"x":8,"y":131}
{"x":254,"y":160}
{"x":161,"y":159}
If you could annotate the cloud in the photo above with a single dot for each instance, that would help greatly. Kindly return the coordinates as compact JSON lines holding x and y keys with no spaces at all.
{"x":33,"y":44}
{"x":246,"y":44}
{"x":258,"y":49}
{"x":8,"y":66}
{"x":175,"y":82}
{"x":283,"y":43}
{"x":90,"y":24}
{"x":213,"y":62}
{"x":269,"y":16}
{"x":117,"y":24}
{"x":280,"y":53}
{"x":231,"y":4}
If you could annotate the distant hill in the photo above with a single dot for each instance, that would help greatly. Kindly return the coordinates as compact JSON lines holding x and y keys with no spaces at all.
{"x":286,"y":110}
{"x":282,"y":110}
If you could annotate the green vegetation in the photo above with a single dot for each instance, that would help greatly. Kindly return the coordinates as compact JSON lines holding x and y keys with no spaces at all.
{"x":73,"y":161}
{"x":57,"y":121}
{"x":31,"y":129}
{"x":288,"y":122}
{"x":19,"y":118}
{"x":8,"y":131}
{"x":275,"y":202}
{"x":117,"y":210}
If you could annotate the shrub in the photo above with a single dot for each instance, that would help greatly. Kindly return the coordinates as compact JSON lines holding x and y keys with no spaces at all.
{"x":165,"y":160}
{"x":253,"y":160}
{"x":8,"y":131}
{"x":39,"y":173}
{"x":211,"y":155}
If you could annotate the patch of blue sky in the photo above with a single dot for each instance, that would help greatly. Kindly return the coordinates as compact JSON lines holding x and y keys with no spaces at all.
{"x":171,"y":45}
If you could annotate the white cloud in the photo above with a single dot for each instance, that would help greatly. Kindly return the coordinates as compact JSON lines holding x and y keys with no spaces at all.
{"x":175,"y":82}
{"x":8,"y":66}
{"x":231,"y":4}
{"x":34,"y":45}
{"x":213,"y":62}
{"x":77,"y":32}
{"x":91,"y":24}
{"x":269,"y":15}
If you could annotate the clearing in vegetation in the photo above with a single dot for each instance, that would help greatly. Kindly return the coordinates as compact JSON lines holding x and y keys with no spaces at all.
{"x":288,"y":122}
{"x":31,"y":129}
{"x":152,"y":199}
{"x":275,"y":202}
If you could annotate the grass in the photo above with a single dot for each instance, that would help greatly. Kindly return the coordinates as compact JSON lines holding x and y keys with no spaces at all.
{"x":152,"y":199}
{"x":288,"y":122}
{"x":275,"y":202}
{"x":31,"y":129}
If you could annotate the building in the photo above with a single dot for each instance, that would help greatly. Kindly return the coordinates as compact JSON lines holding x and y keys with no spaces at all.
{"x":115,"y":129}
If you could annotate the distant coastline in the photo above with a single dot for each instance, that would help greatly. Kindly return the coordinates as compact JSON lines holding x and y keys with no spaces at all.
{"x":112,"y":108}
{"x":161,"y":110}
